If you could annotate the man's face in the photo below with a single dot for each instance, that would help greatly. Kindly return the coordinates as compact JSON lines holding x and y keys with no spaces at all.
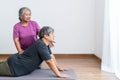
{"x":50,"y":37}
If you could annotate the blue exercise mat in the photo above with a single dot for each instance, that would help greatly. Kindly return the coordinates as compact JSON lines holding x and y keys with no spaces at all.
{"x":43,"y":74}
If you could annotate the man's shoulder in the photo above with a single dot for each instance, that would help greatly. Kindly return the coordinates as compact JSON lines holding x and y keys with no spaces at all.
{"x":40,"y":43}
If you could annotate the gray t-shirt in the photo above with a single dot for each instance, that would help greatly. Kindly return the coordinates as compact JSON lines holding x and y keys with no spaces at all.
{"x":30,"y":59}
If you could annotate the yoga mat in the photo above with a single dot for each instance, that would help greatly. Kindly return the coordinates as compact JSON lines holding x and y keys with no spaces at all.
{"x":42,"y":74}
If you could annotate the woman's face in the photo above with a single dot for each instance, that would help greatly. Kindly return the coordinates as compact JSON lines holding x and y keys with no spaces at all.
{"x":26,"y":16}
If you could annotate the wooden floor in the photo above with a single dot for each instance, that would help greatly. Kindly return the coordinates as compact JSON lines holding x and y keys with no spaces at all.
{"x":87,"y":67}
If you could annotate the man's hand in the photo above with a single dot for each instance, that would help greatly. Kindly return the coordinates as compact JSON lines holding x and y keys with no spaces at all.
{"x":62,"y":69}
{"x":64,"y":76}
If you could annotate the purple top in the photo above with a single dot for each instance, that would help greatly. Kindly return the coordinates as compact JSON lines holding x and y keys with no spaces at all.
{"x":26,"y":34}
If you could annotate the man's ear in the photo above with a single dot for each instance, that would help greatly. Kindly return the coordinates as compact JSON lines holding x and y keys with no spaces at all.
{"x":46,"y":36}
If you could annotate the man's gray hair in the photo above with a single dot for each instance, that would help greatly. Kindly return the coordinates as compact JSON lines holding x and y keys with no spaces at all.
{"x":22,"y":11}
{"x":46,"y":30}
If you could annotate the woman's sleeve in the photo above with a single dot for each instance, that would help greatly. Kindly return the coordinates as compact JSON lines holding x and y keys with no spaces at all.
{"x":15,"y":32}
{"x":37,"y":28}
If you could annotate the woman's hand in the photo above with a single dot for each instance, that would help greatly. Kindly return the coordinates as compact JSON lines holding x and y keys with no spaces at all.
{"x":20,"y":52}
{"x":52,"y":44}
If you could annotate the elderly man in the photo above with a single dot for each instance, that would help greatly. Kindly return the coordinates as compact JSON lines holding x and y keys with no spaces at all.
{"x":31,"y":58}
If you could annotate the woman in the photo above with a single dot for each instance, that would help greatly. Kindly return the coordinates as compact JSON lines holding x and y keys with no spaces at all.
{"x":25,"y":32}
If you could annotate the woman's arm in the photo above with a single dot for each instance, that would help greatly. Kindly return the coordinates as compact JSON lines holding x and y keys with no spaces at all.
{"x":18,"y":46}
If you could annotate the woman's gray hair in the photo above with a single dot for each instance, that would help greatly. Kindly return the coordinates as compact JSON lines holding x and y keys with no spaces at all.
{"x":22,"y":11}
{"x":46,"y":30}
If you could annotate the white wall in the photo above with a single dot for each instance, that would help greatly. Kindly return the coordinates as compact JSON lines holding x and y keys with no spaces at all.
{"x":99,"y":22}
{"x":73,"y":21}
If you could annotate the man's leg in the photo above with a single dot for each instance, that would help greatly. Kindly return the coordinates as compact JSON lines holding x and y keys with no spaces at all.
{"x":4,"y":69}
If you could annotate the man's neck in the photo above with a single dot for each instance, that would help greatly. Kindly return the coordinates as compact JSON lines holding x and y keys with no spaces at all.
{"x":45,"y":41}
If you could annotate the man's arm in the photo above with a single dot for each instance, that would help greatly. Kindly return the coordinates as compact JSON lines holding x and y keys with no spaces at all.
{"x":59,"y":68}
{"x":54,"y":68}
